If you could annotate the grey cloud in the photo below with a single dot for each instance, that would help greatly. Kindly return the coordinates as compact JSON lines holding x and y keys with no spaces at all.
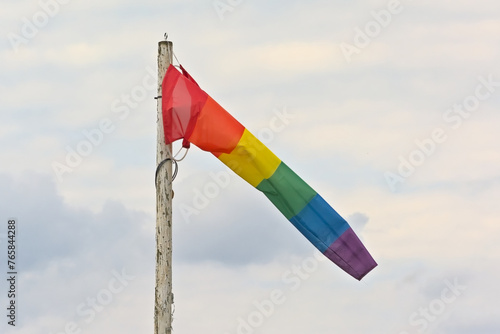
{"x":240,"y":231}
{"x":67,"y":254}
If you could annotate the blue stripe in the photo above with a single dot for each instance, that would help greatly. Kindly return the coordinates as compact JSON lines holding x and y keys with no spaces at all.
{"x":320,"y":223}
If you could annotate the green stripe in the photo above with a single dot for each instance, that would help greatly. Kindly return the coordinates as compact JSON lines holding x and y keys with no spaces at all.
{"x":288,"y":192}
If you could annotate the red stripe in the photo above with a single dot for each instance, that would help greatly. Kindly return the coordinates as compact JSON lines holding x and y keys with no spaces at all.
{"x":182,"y":101}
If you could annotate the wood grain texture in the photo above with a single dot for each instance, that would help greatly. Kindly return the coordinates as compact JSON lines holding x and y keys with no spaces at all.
{"x":163,"y":290}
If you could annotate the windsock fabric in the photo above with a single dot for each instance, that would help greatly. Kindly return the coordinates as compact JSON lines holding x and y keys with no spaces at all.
{"x":192,"y":115}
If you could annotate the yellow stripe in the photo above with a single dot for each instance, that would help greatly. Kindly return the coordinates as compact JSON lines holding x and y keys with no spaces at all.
{"x":251,"y":159}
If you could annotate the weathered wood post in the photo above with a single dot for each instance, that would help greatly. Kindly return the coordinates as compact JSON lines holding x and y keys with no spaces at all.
{"x":163,"y":291}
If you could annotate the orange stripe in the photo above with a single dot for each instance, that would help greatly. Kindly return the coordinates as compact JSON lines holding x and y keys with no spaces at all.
{"x":216,"y":130}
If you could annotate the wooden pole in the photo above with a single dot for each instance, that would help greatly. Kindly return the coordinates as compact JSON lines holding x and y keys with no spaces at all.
{"x":164,"y":297}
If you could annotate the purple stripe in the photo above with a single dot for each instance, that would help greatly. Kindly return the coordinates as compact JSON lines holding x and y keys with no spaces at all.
{"x":349,"y":254}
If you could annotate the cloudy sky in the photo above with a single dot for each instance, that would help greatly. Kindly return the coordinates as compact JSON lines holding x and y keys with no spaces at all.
{"x":389,"y":109}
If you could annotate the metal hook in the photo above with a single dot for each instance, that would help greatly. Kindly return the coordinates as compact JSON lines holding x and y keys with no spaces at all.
{"x":166,"y":36}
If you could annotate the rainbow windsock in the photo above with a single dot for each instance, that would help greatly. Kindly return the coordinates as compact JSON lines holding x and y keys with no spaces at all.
{"x":192,"y":115}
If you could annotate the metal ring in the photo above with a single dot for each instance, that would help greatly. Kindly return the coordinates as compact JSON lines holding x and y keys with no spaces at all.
{"x":174,"y":174}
